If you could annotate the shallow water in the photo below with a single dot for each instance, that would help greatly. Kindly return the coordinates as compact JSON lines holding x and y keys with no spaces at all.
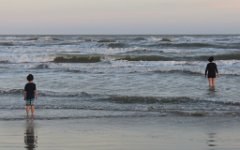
{"x":119,"y":76}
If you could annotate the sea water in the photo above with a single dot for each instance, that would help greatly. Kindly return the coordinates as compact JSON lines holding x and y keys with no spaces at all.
{"x":84,"y":76}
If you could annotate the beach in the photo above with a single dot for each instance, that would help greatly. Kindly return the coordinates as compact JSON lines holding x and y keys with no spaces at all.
{"x":164,"y":133}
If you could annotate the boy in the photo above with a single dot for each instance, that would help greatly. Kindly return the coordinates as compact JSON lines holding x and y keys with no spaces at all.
{"x":30,"y":94}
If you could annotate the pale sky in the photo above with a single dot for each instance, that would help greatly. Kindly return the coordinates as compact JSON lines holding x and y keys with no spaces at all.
{"x":119,"y":16}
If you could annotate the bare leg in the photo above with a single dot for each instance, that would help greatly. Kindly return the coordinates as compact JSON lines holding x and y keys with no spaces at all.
{"x":210,"y":82}
{"x":27,"y":109}
{"x":32,"y":110}
{"x":213,"y":82}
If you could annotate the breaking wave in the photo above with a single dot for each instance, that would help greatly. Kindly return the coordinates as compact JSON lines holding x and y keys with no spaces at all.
{"x":117,"y":45}
{"x":6,"y":44}
{"x":42,"y":66}
{"x":235,"y":56}
{"x":32,"y":39}
{"x":78,"y":59}
{"x":192,"y":45}
{"x":106,"y":41}
{"x":144,"y":58}
{"x":11,"y":91}
{"x":231,"y":56}
{"x":139,"y":39}
{"x":166,"y":40}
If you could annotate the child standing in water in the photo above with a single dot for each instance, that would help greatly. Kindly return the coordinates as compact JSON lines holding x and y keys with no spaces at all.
{"x":30,"y":94}
{"x":211,"y":72}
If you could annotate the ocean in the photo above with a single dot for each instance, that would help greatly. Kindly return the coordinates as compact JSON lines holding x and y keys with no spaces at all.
{"x":111,"y":76}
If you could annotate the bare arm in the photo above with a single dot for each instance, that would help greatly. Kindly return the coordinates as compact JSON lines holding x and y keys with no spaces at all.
{"x":25,"y":95}
{"x":216,"y":69}
{"x":206,"y":70}
{"x":36,"y":94}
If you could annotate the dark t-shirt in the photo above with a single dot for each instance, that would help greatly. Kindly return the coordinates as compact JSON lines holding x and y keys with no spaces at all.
{"x":211,"y":70}
{"x":30,"y":88}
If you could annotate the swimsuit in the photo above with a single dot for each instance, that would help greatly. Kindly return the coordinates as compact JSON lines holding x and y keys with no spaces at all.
{"x":211,"y":70}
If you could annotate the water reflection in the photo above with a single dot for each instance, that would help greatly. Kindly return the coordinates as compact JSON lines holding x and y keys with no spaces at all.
{"x":212,"y":92}
{"x":211,"y":141}
{"x":30,"y":138}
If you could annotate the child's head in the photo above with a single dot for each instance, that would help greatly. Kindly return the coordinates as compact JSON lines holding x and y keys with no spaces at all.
{"x":30,"y":77}
{"x":211,"y":59}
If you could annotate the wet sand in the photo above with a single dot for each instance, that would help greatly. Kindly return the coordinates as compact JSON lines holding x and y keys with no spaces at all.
{"x":156,"y":133}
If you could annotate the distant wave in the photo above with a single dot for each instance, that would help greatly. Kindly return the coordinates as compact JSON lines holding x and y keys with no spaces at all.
{"x":182,"y":45}
{"x":98,"y":58}
{"x":125,"y":63}
{"x":69,"y":43}
{"x":235,"y":56}
{"x":6,"y":44}
{"x":129,"y":56}
{"x":4,"y":61}
{"x":32,"y":39}
{"x":144,"y":58}
{"x":48,"y":38}
{"x":117,"y":45}
{"x":42,"y":66}
{"x":137,"y":57}
{"x":166,"y":40}
{"x":143,"y":51}
{"x":11,"y":91}
{"x":161,"y":41}
{"x":55,"y":39}
{"x":88,"y":40}
{"x":106,"y":41}
{"x":179,"y":70}
{"x":194,"y":45}
{"x":231,"y":56}
{"x":78,"y":59}
{"x":139,"y":39}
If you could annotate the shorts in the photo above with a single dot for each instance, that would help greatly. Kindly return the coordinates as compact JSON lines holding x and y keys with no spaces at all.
{"x":211,"y":75}
{"x":30,"y":102}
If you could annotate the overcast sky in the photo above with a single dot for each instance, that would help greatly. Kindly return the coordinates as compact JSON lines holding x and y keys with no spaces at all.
{"x":119,"y":16}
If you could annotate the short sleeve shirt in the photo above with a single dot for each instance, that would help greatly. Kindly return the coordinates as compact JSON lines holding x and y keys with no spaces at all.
{"x":30,"y":89}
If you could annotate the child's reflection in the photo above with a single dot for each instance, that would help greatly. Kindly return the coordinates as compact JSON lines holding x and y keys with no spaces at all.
{"x":30,"y":138}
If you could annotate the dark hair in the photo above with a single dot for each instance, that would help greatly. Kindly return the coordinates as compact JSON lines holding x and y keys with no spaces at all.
{"x":30,"y":77}
{"x":210,"y":59}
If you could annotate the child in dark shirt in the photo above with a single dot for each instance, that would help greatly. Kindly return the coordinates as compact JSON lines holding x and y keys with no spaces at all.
{"x":30,"y":94}
{"x":211,"y":72}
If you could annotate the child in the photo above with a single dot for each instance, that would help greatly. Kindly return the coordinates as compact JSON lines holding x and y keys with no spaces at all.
{"x":211,"y":71}
{"x":30,"y":94}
